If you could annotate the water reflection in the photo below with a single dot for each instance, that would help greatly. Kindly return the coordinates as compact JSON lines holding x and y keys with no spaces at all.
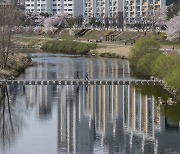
{"x":111,"y":119}
{"x":85,"y":119}
{"x":10,"y":120}
{"x":59,"y":67}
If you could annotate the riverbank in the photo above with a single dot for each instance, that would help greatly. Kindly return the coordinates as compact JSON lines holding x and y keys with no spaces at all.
{"x":112,"y":51}
{"x":86,"y":48}
{"x":146,"y":59}
{"x":17,"y":63}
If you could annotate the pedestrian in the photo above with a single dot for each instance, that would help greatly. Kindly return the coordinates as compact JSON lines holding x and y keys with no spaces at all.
{"x":77,"y":75}
{"x":86,"y":77}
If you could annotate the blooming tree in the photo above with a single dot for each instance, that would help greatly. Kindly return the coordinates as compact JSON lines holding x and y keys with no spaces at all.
{"x":33,"y":19}
{"x":161,"y":18}
{"x":52,"y":23}
{"x":173,"y":28}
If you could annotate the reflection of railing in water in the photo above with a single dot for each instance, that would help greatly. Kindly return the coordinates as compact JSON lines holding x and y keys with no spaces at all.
{"x":81,"y":82}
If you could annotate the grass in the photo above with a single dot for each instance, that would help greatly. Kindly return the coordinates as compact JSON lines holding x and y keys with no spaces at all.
{"x":170,"y":44}
{"x":95,"y":35}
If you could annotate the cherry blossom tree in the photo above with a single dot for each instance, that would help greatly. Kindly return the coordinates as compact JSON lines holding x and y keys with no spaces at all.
{"x":33,"y":19}
{"x":173,"y":28}
{"x":160,"y":17}
{"x":52,"y":23}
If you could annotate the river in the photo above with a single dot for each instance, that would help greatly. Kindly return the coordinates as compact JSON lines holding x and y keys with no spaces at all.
{"x":85,"y":119}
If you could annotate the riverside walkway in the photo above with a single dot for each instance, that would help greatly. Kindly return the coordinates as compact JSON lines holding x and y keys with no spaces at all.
{"x":81,"y":82}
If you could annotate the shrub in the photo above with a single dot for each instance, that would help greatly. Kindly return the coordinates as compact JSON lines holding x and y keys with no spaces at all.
{"x":141,"y":48}
{"x":144,"y":64}
{"x":164,"y":64}
{"x":68,"y":46}
{"x":173,"y":78}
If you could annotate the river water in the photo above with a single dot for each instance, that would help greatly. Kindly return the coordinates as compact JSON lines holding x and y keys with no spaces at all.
{"x":85,"y":119}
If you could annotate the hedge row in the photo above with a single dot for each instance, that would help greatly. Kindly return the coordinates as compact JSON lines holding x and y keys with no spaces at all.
{"x":68,"y":47}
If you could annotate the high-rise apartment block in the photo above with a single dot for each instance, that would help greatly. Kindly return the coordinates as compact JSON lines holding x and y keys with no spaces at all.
{"x":130,"y":10}
{"x":102,"y":8}
{"x":71,"y":7}
{"x":138,"y":10}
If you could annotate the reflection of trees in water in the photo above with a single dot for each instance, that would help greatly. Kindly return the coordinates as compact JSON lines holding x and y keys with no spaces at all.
{"x":10,"y":120}
{"x":172,"y":112}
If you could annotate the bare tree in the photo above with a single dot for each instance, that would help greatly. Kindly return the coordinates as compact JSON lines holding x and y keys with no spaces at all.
{"x":10,"y":18}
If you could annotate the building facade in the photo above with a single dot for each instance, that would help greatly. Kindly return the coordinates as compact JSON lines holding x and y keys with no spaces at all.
{"x":102,"y":8}
{"x":140,"y":10}
{"x":128,"y":11}
{"x":103,"y":11}
{"x":71,"y":7}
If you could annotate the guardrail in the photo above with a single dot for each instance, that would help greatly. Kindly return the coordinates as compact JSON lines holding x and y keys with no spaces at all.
{"x":80,"y":82}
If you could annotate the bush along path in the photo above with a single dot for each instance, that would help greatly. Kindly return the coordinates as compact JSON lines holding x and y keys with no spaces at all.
{"x":147,"y":60}
{"x":67,"y":47}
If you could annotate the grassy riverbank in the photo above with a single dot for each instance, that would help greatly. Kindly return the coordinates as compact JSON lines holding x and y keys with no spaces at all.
{"x":68,"y":47}
{"x":17,"y":63}
{"x":147,"y":59}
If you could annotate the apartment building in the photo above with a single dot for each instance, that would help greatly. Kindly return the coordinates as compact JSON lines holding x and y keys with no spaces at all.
{"x":102,"y":8}
{"x":139,"y":10}
{"x":71,"y":7}
{"x":128,"y":11}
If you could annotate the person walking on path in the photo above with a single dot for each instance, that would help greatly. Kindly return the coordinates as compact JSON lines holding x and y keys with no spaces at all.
{"x":86,"y":77}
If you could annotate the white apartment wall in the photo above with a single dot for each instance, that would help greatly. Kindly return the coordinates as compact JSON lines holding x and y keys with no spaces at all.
{"x":120,"y":5}
{"x":107,"y":8}
{"x":101,"y":10}
{"x":78,"y":7}
{"x":73,"y":7}
{"x":163,"y":3}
